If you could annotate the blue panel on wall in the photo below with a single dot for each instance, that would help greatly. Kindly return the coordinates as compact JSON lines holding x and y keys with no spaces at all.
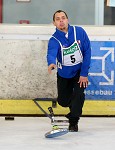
{"x":102,"y":71}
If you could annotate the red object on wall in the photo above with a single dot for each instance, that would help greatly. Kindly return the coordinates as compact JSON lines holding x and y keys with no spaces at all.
{"x":24,"y":21}
{"x":0,"y":11}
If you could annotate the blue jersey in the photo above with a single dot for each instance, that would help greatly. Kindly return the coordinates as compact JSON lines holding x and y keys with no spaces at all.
{"x":61,"y":40}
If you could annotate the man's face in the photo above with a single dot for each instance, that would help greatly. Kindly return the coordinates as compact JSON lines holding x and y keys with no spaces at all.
{"x":61,"y":21}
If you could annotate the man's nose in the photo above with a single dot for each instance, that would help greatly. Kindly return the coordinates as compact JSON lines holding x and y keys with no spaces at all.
{"x":61,"y":20}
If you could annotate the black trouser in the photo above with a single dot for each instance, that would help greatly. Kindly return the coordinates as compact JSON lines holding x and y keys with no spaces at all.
{"x":71,"y":95}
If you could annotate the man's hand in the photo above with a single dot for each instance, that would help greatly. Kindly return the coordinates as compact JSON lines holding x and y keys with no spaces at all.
{"x":51,"y":67}
{"x":83,"y":81}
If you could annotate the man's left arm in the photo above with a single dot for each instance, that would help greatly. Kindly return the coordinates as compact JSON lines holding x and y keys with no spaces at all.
{"x":83,"y":80}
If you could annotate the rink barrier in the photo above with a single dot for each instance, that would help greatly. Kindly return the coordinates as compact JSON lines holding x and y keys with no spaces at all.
{"x":24,"y":71}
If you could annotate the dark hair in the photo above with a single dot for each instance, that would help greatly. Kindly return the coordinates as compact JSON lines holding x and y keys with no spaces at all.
{"x":59,"y":11}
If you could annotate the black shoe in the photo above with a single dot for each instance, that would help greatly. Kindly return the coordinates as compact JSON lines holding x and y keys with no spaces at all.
{"x":73,"y":128}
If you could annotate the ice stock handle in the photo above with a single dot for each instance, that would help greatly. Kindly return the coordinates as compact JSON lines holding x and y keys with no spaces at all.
{"x":51,"y":111}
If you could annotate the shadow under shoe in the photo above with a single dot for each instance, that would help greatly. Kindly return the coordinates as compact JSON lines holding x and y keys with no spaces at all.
{"x":73,"y":128}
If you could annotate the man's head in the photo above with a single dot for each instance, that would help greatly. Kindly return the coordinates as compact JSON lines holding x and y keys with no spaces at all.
{"x":60,"y":20}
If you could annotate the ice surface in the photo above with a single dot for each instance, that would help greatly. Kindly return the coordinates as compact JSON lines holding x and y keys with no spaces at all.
{"x":27,"y":133}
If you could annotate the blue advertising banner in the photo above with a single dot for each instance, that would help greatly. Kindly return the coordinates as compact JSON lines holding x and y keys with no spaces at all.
{"x":102,"y":71}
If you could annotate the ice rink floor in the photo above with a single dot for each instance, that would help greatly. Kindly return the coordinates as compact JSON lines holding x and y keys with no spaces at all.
{"x":27,"y":133}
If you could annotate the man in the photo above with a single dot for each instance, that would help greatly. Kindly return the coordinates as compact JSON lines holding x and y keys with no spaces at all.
{"x":70,"y":47}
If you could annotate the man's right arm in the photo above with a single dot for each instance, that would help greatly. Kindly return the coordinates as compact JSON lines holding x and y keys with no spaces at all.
{"x":52,"y":51}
